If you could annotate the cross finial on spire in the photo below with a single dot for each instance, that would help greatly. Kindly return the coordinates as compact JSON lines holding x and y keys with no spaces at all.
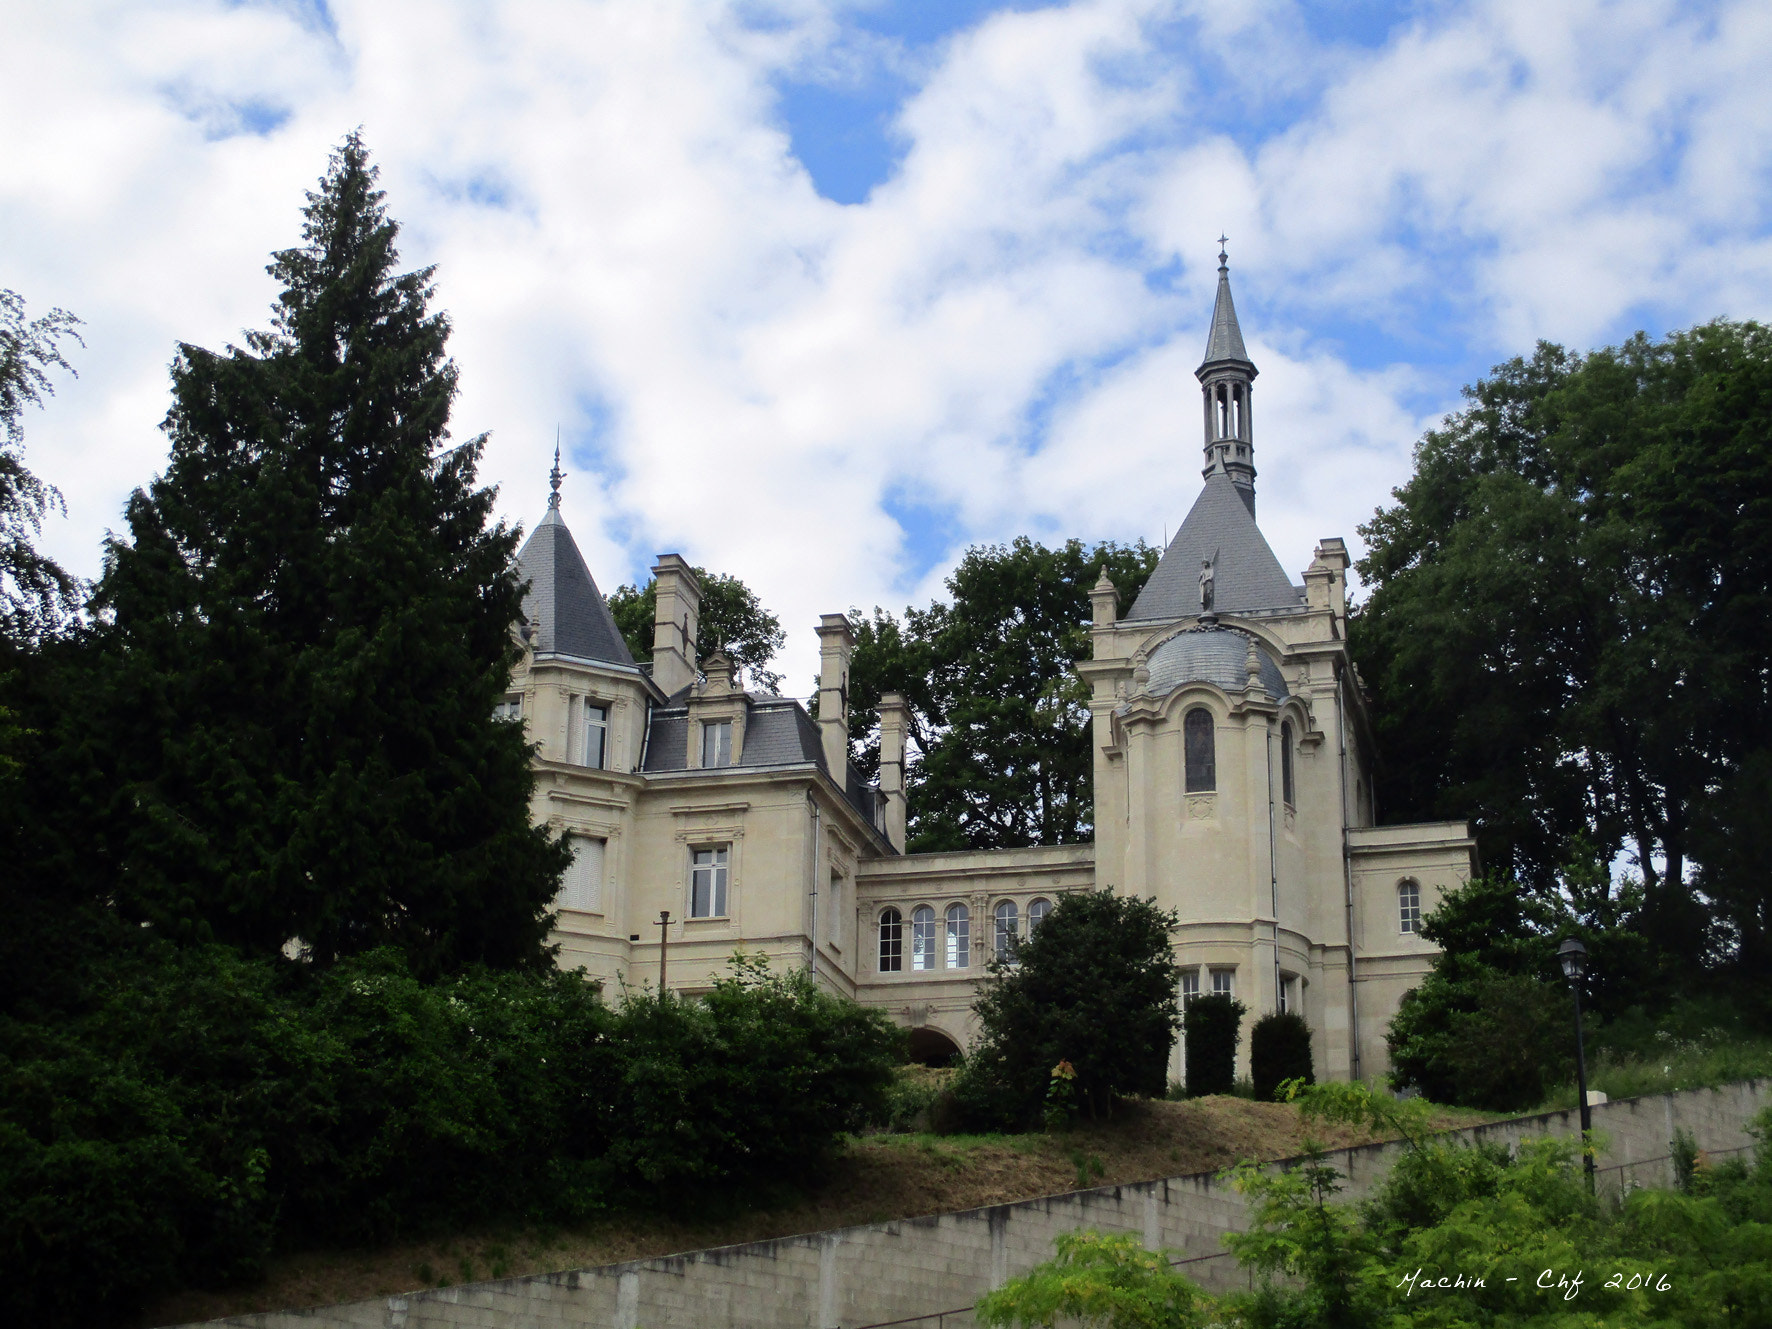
{"x":1223,"y":258}
{"x":554,"y":477}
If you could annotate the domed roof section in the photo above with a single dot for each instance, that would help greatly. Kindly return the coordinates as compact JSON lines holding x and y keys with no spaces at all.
{"x":1213,"y":655}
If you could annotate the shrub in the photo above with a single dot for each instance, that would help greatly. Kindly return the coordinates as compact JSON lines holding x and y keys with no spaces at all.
{"x":1491,"y":1040}
{"x":1279,"y":1050}
{"x":1211,"y":1025}
{"x":1095,"y":986}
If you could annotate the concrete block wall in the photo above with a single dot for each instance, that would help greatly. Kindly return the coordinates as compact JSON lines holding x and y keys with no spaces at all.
{"x":855,"y":1277}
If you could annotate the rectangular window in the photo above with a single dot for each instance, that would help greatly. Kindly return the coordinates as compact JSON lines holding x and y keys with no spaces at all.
{"x":1190,"y":985}
{"x":1288,"y":993}
{"x":583,"y":885}
{"x":707,"y":882}
{"x":511,"y":708}
{"x":1221,"y":982}
{"x":596,"y":735}
{"x":1409,"y":906}
{"x":716,"y":743}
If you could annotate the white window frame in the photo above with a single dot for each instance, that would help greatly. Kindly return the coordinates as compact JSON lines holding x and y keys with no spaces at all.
{"x":596,"y":734}
{"x":1006,"y":928}
{"x":1190,"y":985}
{"x":1289,"y":994}
{"x":1224,"y":983}
{"x":509,"y":707}
{"x":1409,"y":907}
{"x":716,"y":742}
{"x":957,"y":932}
{"x":582,"y":887}
{"x":1038,"y":908}
{"x":710,"y":874}
{"x":922,"y":938}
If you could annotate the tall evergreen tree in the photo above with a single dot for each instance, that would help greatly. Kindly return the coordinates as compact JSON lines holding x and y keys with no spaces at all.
{"x":290,"y":708}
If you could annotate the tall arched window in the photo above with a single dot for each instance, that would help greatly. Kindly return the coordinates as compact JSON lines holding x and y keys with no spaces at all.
{"x":1224,"y":413}
{"x":1286,"y":787}
{"x":1037,"y":911}
{"x":1197,"y":742}
{"x":922,"y":937}
{"x":1409,"y":905}
{"x":891,"y":941}
{"x":1237,"y":412}
{"x":1007,"y":930}
{"x":959,"y":936}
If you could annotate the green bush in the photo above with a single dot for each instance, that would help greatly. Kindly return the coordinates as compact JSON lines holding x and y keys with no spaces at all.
{"x":1211,"y":1026}
{"x":201,"y":1109}
{"x":1279,"y":1050}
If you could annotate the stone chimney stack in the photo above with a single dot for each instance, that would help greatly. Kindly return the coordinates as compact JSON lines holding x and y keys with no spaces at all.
{"x":674,"y":623}
{"x":895,"y":716}
{"x":1325,"y":582}
{"x":836,"y":642}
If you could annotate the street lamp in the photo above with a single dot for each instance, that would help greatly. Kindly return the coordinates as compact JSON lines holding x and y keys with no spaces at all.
{"x":1573,"y":956}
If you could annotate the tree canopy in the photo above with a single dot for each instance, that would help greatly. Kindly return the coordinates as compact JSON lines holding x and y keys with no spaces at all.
{"x":36,"y":595}
{"x":1568,"y":633}
{"x":999,"y":719}
{"x":285,"y":728}
{"x":732,"y":620}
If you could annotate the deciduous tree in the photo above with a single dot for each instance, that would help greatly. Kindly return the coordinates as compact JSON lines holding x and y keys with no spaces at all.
{"x":732,"y":620}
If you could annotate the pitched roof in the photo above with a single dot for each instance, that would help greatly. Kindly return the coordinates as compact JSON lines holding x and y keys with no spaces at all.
{"x":1246,"y":575}
{"x":1225,"y":341}
{"x":564,"y":605}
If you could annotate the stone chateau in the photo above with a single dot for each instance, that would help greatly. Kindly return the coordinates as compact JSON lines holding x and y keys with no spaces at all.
{"x":1232,"y":749}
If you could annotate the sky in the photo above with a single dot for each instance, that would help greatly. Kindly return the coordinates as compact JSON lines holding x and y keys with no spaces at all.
{"x":820,"y":293}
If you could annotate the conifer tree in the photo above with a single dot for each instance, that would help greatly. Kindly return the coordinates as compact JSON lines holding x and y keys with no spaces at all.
{"x":304,"y":635}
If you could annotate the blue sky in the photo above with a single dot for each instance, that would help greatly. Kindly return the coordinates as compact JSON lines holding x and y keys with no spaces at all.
{"x":820,"y":292}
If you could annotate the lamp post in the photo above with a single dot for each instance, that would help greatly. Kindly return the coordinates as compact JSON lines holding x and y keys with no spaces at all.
{"x":664,"y":945}
{"x":1573,"y":956}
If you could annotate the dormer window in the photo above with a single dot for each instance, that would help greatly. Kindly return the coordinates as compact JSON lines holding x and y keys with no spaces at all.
{"x":716,"y":743}
{"x":596,"y":736}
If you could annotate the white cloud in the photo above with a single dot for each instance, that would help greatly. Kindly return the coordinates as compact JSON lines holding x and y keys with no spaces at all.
{"x":1005,"y":330}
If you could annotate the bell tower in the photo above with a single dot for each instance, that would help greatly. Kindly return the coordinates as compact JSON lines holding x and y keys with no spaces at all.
{"x":1227,"y":377}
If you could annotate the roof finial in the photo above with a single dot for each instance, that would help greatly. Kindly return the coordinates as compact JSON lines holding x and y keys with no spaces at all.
{"x":554,"y":477}
{"x":1223,"y":258}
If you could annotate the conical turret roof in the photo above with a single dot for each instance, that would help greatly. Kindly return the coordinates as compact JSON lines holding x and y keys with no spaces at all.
{"x":1225,"y":341}
{"x":564,"y":606}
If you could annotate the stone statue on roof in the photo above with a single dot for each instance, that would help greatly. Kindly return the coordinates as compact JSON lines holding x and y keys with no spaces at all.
{"x":1206,"y":579}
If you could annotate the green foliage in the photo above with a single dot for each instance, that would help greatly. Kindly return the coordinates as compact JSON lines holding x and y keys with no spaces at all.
{"x":36,"y":595}
{"x":281,"y":726}
{"x":1567,"y":635}
{"x":732,"y":620}
{"x":1211,"y":1029}
{"x":999,"y":720}
{"x":1094,"y":987}
{"x":1279,"y":1051}
{"x":199,"y":1109}
{"x":1106,"y":1281}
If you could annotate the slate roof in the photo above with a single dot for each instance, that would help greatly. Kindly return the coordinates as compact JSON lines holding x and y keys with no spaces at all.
{"x":1212,"y":655}
{"x":1246,"y":574}
{"x":564,"y":605}
{"x":1225,"y":341}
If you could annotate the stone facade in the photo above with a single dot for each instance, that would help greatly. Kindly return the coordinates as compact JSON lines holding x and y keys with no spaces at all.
{"x":1232,"y":765}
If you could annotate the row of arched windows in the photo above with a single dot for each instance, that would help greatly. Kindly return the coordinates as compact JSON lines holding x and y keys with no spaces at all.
{"x":947,"y":944}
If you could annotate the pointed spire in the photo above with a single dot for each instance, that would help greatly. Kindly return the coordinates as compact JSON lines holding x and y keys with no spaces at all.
{"x":1225,"y":341}
{"x":555,"y":476}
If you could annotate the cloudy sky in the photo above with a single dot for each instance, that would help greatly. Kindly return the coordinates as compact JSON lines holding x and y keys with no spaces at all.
{"x":820,"y":292}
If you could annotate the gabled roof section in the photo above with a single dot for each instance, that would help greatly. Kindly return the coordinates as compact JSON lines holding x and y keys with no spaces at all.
{"x":1246,"y":575}
{"x":564,"y":605}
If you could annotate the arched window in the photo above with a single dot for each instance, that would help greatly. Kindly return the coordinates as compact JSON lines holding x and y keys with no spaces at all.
{"x":1287,"y":790}
{"x":1224,"y":413}
{"x":959,"y":936}
{"x":1237,"y":412}
{"x":922,"y":937}
{"x":1037,"y":911}
{"x":1197,"y":740}
{"x":1007,"y":931}
{"x":891,"y":942}
{"x":1409,"y":905}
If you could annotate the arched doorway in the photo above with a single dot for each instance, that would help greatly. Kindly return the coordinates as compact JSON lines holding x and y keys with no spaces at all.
{"x":931,"y":1047}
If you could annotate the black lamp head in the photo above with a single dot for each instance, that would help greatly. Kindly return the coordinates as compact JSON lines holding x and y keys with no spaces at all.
{"x":1573,"y":956}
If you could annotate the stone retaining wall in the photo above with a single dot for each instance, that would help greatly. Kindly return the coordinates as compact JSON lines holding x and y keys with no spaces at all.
{"x":917,"y":1271}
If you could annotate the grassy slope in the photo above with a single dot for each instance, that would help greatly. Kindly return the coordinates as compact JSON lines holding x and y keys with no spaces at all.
{"x":879,"y":1178}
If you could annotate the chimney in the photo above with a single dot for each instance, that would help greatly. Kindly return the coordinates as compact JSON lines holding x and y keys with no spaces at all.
{"x":1325,"y":581}
{"x":674,"y":623}
{"x":836,"y":639}
{"x":895,"y":714}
